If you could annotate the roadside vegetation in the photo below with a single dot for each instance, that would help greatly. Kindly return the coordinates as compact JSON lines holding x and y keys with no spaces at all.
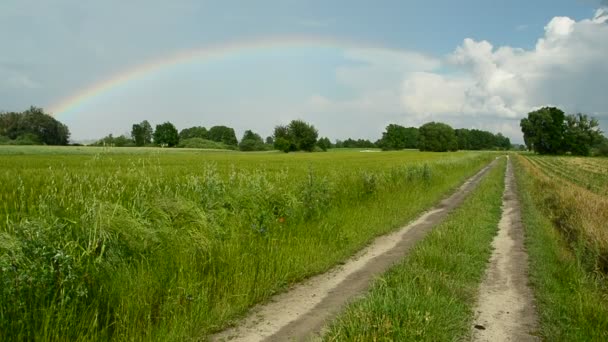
{"x":173,"y":246}
{"x":430,"y":295}
{"x":566,"y":237}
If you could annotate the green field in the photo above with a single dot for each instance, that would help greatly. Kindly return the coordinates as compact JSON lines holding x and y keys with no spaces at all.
{"x":163,"y":244}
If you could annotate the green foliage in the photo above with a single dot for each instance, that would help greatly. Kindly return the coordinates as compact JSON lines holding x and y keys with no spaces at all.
{"x":297,"y":136}
{"x":543,"y":130}
{"x":110,"y":140}
{"x":324,"y":144}
{"x":398,"y":137}
{"x":193,"y":132}
{"x":24,"y":139}
{"x":437,"y":137}
{"x":171,"y":244}
{"x":142,"y":133}
{"x":549,"y":131}
{"x":33,"y":122}
{"x":252,"y":142}
{"x":303,"y":135}
{"x":282,"y":144}
{"x":352,"y":143}
{"x":269,"y":141}
{"x":581,"y":134}
{"x":474,"y":139}
{"x":602,"y":147}
{"x":166,"y":134}
{"x":204,"y":144}
{"x":222,"y":134}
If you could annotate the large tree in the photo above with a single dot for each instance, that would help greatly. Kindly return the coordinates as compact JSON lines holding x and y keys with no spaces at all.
{"x":437,"y":137}
{"x":543,"y":130}
{"x":166,"y":134}
{"x":36,"y":123}
{"x":193,"y":132}
{"x":142,"y":133}
{"x":580,"y":134}
{"x":297,"y":136}
{"x":251,"y":142}
{"x":222,"y":134}
{"x":397,"y":137}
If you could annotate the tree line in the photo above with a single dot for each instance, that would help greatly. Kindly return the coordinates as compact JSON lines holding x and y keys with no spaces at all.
{"x":546,"y":131}
{"x":440,"y":137}
{"x":32,"y":127}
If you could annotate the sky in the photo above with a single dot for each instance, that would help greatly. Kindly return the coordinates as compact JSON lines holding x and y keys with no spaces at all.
{"x":349,"y":67}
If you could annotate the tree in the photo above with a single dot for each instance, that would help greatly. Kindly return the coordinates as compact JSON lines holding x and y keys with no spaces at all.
{"x":580,"y":134}
{"x":166,"y":134}
{"x":282,"y":140}
{"x":437,"y":137}
{"x":543,"y":130}
{"x":269,"y":141}
{"x":303,"y":135}
{"x":503,"y":142}
{"x":251,"y":142}
{"x":34,"y":122}
{"x":297,"y":136}
{"x":397,"y":137}
{"x":324,"y":144}
{"x":463,"y":137}
{"x":142,"y":133}
{"x":222,"y":134}
{"x":193,"y":132}
{"x":282,"y":144}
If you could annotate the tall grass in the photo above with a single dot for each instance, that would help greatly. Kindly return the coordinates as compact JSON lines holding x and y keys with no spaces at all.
{"x":174,"y":246}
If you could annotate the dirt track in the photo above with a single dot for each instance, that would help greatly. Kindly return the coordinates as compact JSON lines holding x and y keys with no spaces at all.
{"x":302,"y":312}
{"x":506,"y":311}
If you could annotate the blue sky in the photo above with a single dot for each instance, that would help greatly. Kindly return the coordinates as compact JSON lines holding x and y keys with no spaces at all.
{"x":474,"y":64}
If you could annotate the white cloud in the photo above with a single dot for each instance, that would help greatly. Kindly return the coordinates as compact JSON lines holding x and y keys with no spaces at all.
{"x":480,"y":85}
{"x":567,"y":68}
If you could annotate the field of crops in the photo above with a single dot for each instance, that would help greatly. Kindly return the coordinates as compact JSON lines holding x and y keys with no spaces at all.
{"x":565,"y":210}
{"x":574,"y":194}
{"x":168,"y":245}
{"x":590,"y":173}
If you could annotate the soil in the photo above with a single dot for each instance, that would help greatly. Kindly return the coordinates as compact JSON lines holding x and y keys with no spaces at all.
{"x":506,"y":310}
{"x":302,"y":312}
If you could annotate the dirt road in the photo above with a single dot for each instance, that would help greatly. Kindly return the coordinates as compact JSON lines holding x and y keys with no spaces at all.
{"x":506,"y":311}
{"x":302,"y":312}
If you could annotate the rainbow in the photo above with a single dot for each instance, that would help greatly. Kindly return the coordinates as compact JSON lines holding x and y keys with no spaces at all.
{"x":208,"y":53}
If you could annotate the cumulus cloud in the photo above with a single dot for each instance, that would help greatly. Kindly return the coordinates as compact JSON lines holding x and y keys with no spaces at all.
{"x":480,"y":85}
{"x":567,"y":68}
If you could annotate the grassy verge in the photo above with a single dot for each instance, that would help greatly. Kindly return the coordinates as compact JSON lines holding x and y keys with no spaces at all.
{"x":429,"y":296}
{"x":572,"y":302}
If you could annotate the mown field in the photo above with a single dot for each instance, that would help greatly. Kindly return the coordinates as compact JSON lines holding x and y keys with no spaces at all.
{"x":157,"y":244}
{"x":565,"y":214}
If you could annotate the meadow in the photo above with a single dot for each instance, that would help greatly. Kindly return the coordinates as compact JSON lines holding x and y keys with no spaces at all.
{"x":161,"y":244}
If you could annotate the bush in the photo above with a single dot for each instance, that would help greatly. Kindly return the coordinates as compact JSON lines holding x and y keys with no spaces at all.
{"x":26,"y":139}
{"x":204,"y":144}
